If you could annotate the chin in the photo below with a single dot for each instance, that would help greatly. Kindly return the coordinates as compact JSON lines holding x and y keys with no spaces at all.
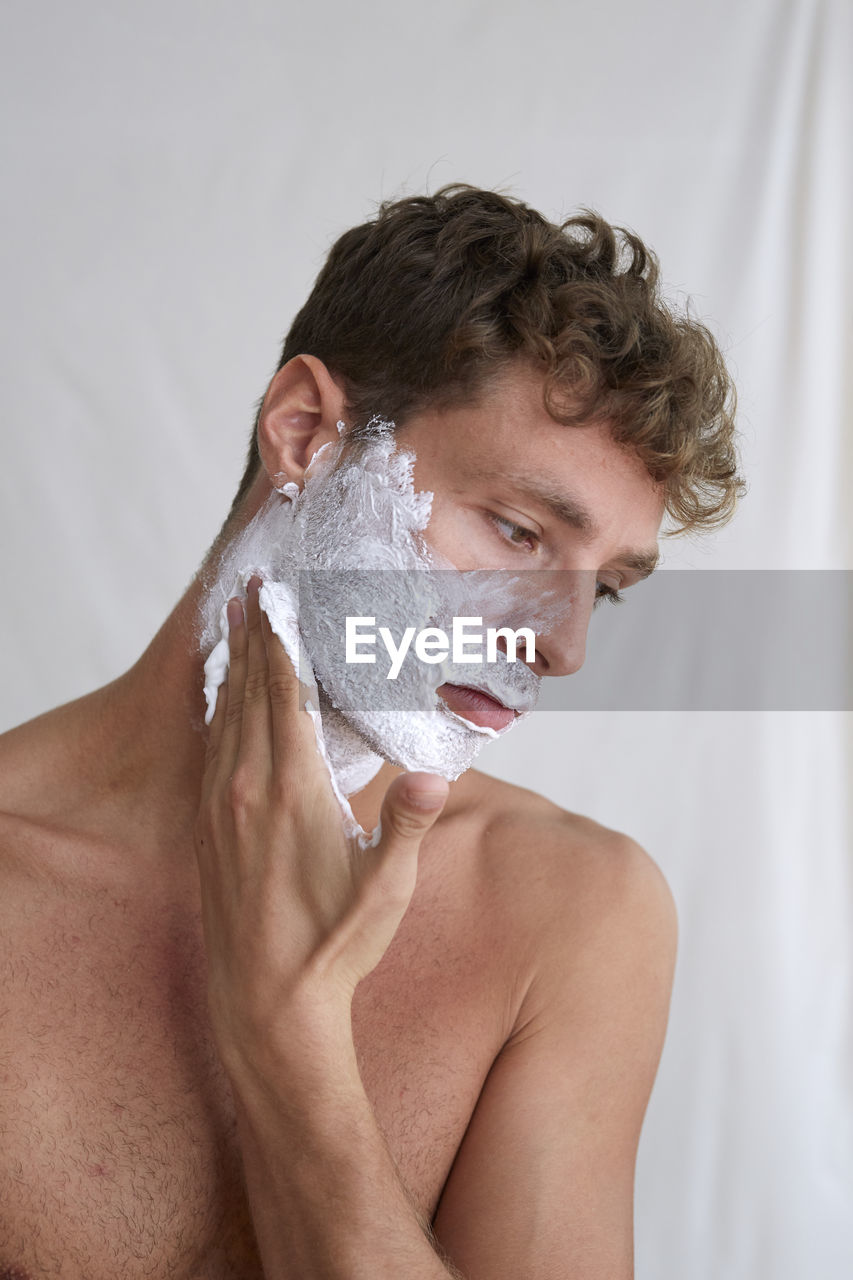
{"x":434,"y":741}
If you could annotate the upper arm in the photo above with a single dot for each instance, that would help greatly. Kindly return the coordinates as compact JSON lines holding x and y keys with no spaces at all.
{"x":542,"y":1185}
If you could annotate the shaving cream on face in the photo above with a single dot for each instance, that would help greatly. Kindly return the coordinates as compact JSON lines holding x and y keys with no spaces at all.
{"x":324,"y":553}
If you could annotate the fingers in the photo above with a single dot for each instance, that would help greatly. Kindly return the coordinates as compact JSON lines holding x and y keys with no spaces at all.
{"x":232,"y":702}
{"x":255,"y":730}
{"x":290,"y":724}
{"x":241,"y":721}
{"x":257,"y":718}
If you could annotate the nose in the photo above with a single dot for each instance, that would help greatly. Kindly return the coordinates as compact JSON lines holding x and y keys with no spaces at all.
{"x":561,"y":647}
{"x":556,"y":604}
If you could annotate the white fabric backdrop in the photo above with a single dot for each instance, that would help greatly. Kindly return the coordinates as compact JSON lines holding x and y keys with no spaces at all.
{"x":174,"y":173}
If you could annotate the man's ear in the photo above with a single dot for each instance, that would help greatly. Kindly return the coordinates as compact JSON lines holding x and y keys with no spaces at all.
{"x":300,"y":413}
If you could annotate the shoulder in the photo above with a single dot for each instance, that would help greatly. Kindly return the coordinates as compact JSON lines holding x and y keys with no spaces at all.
{"x":28,"y":761}
{"x":45,"y":798}
{"x":562,"y":857}
{"x":49,"y":765}
{"x":586,"y":903}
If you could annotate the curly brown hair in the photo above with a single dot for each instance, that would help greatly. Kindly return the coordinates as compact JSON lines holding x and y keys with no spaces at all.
{"x":421,"y":305}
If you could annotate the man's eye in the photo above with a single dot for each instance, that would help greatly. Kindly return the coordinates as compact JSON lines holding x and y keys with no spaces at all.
{"x":516,"y":533}
{"x":605,"y":592}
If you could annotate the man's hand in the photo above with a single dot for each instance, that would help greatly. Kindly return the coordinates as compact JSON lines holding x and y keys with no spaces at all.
{"x":295,"y":913}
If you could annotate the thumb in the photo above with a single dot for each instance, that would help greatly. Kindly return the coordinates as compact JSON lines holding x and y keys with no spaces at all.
{"x":411,"y":805}
{"x":390,"y":866}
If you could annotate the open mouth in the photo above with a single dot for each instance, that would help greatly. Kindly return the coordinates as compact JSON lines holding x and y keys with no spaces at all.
{"x":478,"y":707}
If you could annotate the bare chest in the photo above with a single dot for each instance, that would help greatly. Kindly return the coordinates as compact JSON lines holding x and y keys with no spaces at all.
{"x":119,"y":1154}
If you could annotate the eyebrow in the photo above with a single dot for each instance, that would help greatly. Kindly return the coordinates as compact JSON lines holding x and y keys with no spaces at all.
{"x":568,"y":510}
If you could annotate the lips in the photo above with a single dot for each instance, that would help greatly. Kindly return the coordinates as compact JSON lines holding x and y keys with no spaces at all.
{"x":476,"y":706}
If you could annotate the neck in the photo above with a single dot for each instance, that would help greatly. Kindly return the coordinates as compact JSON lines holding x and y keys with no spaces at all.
{"x":156,"y":712}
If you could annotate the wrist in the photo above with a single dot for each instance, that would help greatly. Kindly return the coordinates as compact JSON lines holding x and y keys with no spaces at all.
{"x":304,"y":1041}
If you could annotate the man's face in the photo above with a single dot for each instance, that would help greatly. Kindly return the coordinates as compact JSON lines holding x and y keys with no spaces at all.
{"x":513,"y":489}
{"x":494,"y":485}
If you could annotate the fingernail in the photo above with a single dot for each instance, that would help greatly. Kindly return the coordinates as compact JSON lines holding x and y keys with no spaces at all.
{"x":426,"y":801}
{"x":235,"y":613}
{"x":254,"y":585}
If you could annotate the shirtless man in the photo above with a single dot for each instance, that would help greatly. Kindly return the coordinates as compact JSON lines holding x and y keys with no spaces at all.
{"x":232,"y":1044}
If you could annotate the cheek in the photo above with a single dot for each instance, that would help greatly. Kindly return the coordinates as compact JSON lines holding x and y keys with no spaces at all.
{"x":443,"y":532}
{"x":462,"y":536}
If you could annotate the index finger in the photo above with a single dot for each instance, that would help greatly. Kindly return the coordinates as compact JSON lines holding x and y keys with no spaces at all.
{"x":285,"y":693}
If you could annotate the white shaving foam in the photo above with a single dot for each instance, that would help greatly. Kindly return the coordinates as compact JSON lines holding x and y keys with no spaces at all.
{"x":320,"y":552}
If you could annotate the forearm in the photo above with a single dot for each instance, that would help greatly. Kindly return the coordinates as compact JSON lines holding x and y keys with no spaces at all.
{"x":325,"y":1195}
